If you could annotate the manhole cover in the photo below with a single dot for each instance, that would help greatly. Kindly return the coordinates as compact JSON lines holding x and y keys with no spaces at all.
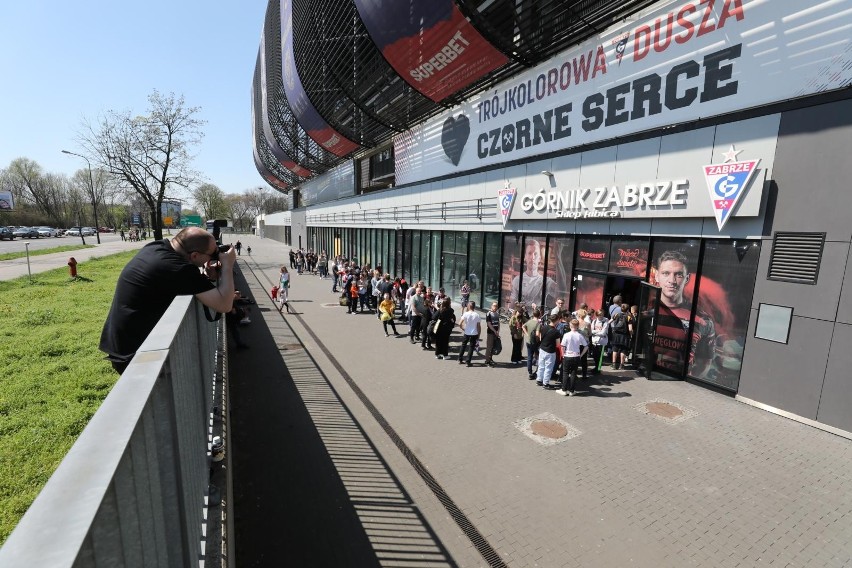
{"x":549,"y":429}
{"x":663,"y":409}
{"x":546,"y":429}
{"x":666,"y":411}
{"x":290,"y":346}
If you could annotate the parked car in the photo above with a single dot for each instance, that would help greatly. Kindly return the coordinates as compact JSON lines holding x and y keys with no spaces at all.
{"x":73,"y":232}
{"x":6,"y":233}
{"x":26,"y":233}
{"x":47,"y":232}
{"x":88,"y":231}
{"x":105,"y":230}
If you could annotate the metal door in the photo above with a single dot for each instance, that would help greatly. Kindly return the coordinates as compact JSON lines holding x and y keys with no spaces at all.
{"x":646,"y":328}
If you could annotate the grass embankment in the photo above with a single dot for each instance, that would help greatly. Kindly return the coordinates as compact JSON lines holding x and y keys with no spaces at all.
{"x":52,"y":376}
{"x":39,"y":252}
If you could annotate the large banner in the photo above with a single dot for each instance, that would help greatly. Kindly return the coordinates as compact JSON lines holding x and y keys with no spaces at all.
{"x":725,"y":291}
{"x":277,"y":151}
{"x":673,"y":270}
{"x":669,"y":65}
{"x":431,"y":45}
{"x":306,"y":115}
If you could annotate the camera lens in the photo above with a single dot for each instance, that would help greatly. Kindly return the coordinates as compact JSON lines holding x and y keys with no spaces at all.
{"x":224,"y":248}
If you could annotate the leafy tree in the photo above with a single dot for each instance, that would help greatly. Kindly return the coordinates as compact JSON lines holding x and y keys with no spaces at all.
{"x":211,"y":201}
{"x":150,"y":153}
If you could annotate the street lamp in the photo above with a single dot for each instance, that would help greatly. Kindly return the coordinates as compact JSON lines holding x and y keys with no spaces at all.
{"x":92,"y":195}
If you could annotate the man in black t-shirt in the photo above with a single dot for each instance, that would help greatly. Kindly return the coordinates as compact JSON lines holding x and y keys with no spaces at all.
{"x":161,"y":271}
{"x":548,"y":338}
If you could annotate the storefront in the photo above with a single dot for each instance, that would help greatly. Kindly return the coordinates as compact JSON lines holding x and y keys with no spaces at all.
{"x":703,"y":178}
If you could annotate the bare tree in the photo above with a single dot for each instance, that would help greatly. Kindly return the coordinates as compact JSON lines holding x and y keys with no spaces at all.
{"x":149,"y":153}
{"x":239,"y":208}
{"x":210,"y":200}
{"x":30,"y":185}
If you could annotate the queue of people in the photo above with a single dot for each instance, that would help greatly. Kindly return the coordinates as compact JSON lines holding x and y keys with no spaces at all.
{"x":558,"y":348}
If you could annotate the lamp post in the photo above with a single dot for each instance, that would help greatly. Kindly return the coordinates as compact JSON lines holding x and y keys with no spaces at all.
{"x":91,"y":194}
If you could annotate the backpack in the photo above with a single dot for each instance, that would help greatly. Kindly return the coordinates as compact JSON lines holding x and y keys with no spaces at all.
{"x":619,"y":325}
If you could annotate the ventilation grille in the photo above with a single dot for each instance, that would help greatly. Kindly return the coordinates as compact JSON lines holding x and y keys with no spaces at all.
{"x":796,"y":257}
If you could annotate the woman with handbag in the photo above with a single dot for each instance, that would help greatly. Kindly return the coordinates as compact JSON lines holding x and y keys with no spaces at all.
{"x":516,"y":331}
{"x":386,"y":309}
{"x":445,"y":319}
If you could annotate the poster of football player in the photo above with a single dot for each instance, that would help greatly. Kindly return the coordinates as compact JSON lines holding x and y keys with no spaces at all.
{"x":511,"y":268}
{"x":560,"y":264}
{"x":672,"y":270}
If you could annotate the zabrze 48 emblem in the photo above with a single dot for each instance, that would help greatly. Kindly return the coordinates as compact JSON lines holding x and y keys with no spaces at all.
{"x":505,"y":197}
{"x":727,"y":183}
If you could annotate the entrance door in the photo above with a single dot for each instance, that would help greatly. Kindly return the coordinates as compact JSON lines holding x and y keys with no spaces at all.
{"x":453,"y":276}
{"x":646,"y":328}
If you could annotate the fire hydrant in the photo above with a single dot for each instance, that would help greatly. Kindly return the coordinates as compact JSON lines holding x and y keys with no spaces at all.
{"x":72,"y":266}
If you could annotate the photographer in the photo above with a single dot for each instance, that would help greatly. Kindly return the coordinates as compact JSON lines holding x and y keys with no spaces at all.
{"x":162,"y":270}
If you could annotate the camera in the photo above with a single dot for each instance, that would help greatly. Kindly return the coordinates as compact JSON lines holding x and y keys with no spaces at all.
{"x":224,"y":248}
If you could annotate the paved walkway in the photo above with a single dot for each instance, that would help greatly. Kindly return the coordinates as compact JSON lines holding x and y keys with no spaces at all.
{"x":16,"y":268}
{"x":351,"y":449}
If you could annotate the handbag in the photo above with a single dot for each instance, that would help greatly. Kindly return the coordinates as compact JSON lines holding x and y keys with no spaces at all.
{"x":498,"y":346}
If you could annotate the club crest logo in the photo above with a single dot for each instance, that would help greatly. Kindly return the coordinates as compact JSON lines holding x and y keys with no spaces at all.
{"x":727,"y":183}
{"x":505,"y":199}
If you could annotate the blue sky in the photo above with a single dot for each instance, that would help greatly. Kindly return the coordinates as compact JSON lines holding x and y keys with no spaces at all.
{"x":62,"y":61}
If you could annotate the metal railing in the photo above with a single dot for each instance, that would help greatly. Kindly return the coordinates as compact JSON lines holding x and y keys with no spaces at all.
{"x":132,"y":490}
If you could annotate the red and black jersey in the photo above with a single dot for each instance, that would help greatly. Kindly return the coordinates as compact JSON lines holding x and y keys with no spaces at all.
{"x":670,"y":341}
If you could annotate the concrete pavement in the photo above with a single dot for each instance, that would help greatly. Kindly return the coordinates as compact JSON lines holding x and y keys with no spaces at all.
{"x":352,"y":449}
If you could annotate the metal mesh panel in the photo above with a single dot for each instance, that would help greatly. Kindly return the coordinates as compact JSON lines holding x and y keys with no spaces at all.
{"x":287,"y":131}
{"x":531,"y":31}
{"x":346,"y":77}
{"x":263,"y":151}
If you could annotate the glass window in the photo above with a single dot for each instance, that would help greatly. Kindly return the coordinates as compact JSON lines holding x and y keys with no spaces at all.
{"x":416,"y":275}
{"x":535,"y":288}
{"x":435,"y":269}
{"x":589,"y":290}
{"x":492,"y":274}
{"x":425,"y":264}
{"x":511,"y":269}
{"x":560,"y":266}
{"x":593,"y":254}
{"x":728,"y":272}
{"x":629,"y":257}
{"x":406,"y":255}
{"x":674,"y":262}
{"x":474,"y":266}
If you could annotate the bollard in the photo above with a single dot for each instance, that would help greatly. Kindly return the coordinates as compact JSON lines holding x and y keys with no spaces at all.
{"x":72,"y":266}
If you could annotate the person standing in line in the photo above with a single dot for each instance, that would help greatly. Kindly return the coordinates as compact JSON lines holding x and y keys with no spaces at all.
{"x":492,"y":333}
{"x":471,"y":325}
{"x":600,"y":331}
{"x":386,"y":309}
{"x":620,"y":339}
{"x":417,"y":306}
{"x":446,"y":319}
{"x":531,"y":339}
{"x":516,"y":331}
{"x":122,"y":235}
{"x":548,"y":337}
{"x":574,"y":347}
{"x":465,"y":293}
{"x":284,"y":289}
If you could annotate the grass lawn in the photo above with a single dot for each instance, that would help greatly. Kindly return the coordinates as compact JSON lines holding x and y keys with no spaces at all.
{"x":39,"y":252}
{"x":52,"y":376}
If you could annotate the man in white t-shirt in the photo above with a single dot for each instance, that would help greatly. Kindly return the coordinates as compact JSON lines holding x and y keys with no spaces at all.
{"x":574,"y":348}
{"x":471,"y":325}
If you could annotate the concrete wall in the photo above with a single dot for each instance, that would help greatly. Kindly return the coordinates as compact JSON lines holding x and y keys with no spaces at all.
{"x":812,"y":375}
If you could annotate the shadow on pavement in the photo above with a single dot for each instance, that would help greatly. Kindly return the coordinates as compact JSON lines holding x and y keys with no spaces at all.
{"x":310,"y":488}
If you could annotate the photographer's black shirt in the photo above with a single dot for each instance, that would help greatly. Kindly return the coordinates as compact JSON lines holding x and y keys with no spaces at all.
{"x":145,"y":289}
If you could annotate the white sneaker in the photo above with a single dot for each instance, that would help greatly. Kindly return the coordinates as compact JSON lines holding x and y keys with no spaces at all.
{"x":245,"y":321}
{"x":561,"y":392}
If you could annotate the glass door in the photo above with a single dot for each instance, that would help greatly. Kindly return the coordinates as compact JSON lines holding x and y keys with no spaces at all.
{"x":646,"y":329}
